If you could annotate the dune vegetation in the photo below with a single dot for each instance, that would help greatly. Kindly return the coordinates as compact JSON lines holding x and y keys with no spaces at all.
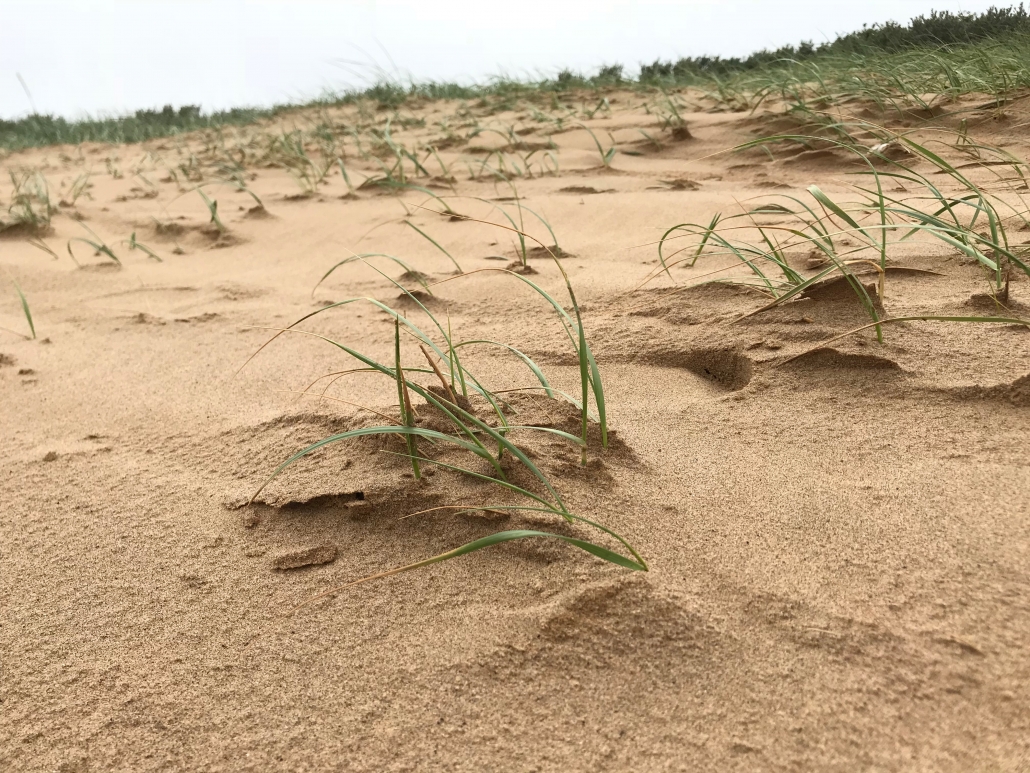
{"x":725,"y":360}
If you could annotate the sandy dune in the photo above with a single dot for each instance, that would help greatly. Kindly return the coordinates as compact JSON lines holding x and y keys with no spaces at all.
{"x":839,"y":546}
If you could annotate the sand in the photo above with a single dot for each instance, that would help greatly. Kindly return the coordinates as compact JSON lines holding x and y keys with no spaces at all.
{"x":839,"y":547}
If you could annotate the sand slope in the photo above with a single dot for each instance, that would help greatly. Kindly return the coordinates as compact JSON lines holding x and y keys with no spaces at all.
{"x":839,"y":547}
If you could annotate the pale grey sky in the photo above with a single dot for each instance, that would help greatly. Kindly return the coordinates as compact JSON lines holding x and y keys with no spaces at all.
{"x":114,"y":56}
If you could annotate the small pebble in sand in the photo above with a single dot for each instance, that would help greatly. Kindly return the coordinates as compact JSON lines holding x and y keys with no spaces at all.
{"x":51,"y":456}
{"x":251,"y":519}
{"x":320,"y":554}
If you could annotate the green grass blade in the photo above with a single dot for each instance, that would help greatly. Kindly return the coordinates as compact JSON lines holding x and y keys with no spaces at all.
{"x":436,"y":244}
{"x":496,"y":539}
{"x":25,"y":309}
{"x":526,"y":359}
{"x":403,"y":400}
{"x":365,"y":255}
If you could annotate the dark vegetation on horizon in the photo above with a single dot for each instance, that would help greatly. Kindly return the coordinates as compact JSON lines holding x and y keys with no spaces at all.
{"x":937,"y":31}
{"x":940,"y":28}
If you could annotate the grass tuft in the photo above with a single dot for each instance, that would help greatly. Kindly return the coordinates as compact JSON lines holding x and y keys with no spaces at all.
{"x":973,"y":221}
{"x":474,"y":446}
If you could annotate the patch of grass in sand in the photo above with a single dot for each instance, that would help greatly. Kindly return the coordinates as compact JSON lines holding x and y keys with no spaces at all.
{"x":974,"y":220}
{"x":239,"y":184}
{"x":212,"y":208}
{"x":916,"y":83}
{"x":667,"y":108}
{"x":99,"y":246}
{"x":79,"y":187}
{"x":488,"y":442}
{"x":96,"y":243}
{"x":134,"y":244}
{"x":606,"y":155}
{"x":31,"y":209}
{"x":308,"y":171}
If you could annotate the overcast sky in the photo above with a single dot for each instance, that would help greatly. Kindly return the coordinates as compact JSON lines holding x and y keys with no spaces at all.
{"x":114,"y":56}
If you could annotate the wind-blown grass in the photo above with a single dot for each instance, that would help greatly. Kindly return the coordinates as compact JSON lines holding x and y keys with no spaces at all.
{"x":974,"y":221}
{"x":436,"y":244}
{"x":308,"y":171}
{"x":79,"y":188}
{"x":409,"y":271}
{"x":491,"y":441}
{"x":606,"y":154}
{"x":31,"y":208}
{"x":98,"y":245}
{"x":134,"y":244}
{"x":912,"y":318}
{"x":212,"y":208}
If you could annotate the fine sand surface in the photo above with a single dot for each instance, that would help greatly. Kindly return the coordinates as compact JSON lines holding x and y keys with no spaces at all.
{"x":839,"y":546}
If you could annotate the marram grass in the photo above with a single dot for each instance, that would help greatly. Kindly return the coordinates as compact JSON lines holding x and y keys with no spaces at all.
{"x":489,"y":442}
{"x":974,"y":221}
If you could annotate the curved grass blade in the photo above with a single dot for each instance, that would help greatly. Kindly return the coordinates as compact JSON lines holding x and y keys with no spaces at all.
{"x":137,"y":245}
{"x":485,"y":542}
{"x":918,"y":318}
{"x":436,"y":244}
{"x":526,"y":359}
{"x":414,"y":273}
{"x":98,"y":248}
